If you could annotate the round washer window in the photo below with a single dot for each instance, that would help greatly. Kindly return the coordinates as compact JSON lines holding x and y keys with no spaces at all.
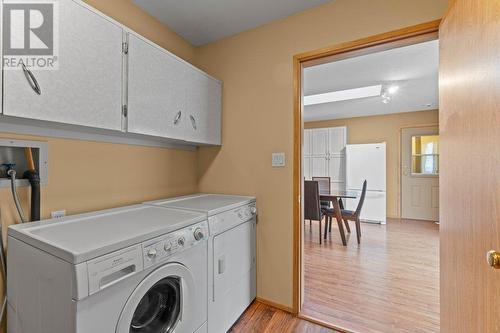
{"x":159,"y":309}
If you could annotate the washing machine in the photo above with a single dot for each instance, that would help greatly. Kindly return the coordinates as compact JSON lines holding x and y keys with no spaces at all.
{"x":138,"y":269}
{"x":231,"y":253}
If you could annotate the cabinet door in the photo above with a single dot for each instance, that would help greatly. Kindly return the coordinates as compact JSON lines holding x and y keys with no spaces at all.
{"x":307,"y":167}
{"x":203,"y":107}
{"x":337,"y":137}
{"x":337,"y":140}
{"x":87,"y":88}
{"x":319,"y":166}
{"x":156,"y":91}
{"x":307,"y":142}
{"x":319,"y":141}
{"x":336,"y":171}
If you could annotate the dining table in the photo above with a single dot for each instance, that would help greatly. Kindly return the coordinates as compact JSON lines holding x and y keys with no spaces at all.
{"x":335,"y":197}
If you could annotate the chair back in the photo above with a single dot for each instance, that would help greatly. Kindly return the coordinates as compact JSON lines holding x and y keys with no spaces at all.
{"x":324,"y":184}
{"x":312,"y":210}
{"x":361,"y":199}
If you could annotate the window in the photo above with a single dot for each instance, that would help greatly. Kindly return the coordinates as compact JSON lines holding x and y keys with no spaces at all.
{"x":425,"y":155}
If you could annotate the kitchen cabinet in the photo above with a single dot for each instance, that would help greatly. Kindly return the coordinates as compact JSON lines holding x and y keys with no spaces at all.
{"x":86,"y":89}
{"x":170,"y":98}
{"x":324,"y":154}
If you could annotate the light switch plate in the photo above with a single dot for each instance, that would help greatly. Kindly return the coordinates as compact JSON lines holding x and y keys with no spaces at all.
{"x":278,"y":160}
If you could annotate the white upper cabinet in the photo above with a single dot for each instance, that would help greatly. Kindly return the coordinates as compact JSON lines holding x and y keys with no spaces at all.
{"x":96,"y":80}
{"x":203,"y":107}
{"x":169,"y":98}
{"x":319,"y":142}
{"x":307,"y":142}
{"x":324,"y":154}
{"x":86,"y":89}
{"x":156,"y":91}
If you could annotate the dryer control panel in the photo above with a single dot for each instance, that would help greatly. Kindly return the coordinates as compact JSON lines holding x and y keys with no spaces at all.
{"x":231,"y":218}
{"x":158,"y":249}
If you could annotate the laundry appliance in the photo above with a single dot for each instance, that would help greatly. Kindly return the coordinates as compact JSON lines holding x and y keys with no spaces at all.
{"x":231,"y":253}
{"x":137,"y":269}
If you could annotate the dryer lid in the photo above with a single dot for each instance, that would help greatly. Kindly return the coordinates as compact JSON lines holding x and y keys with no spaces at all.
{"x":80,"y":238}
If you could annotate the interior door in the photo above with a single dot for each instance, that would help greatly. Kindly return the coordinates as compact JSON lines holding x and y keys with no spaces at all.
{"x":156,"y":91}
{"x":469,"y":125}
{"x":86,"y":89}
{"x":420,"y":173}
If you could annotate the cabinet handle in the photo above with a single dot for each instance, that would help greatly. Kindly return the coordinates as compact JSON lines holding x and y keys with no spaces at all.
{"x":31,"y":79}
{"x":193,"y":121}
{"x":177,"y":117}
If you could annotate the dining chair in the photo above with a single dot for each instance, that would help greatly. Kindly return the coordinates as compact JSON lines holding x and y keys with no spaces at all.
{"x":312,"y":208}
{"x":324,"y":187}
{"x":349,"y":215}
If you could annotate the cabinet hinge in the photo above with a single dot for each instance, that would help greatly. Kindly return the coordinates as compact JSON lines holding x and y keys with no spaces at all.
{"x":125,"y":47}
{"x":125,"y":111}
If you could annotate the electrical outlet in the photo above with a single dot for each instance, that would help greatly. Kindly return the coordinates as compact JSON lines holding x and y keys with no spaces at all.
{"x":57,"y":214}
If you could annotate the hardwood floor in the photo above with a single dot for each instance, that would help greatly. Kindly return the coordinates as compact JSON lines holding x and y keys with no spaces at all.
{"x":390,"y":283}
{"x":261,"y":318}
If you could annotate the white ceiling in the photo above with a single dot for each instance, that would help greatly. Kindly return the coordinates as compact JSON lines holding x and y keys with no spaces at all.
{"x":413,"y":68}
{"x":204,"y":21}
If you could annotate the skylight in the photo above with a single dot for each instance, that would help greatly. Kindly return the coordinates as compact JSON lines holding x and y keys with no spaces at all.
{"x":343,"y":95}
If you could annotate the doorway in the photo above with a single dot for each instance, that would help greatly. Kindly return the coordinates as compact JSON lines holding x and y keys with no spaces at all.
{"x":351,"y":260}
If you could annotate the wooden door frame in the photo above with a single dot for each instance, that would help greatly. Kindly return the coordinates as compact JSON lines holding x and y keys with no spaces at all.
{"x":398,"y":38}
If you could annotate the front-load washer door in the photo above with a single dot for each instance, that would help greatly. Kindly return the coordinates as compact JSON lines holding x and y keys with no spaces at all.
{"x":161,"y":303}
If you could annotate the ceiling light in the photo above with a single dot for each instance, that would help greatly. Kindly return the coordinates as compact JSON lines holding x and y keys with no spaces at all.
{"x":343,"y":95}
{"x":393,"y":89}
{"x":386,"y":98}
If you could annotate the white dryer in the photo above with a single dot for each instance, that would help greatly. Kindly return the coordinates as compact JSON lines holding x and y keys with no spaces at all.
{"x":231,"y":253}
{"x":137,"y":269}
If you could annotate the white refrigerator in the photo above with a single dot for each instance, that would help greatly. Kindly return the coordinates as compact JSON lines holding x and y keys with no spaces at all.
{"x":367,"y":161}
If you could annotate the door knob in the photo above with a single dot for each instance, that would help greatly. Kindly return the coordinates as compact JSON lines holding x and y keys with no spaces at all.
{"x":493,"y":258}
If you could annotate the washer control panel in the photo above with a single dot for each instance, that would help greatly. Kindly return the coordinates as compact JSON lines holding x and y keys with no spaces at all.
{"x":161,"y":248}
{"x":231,"y":218}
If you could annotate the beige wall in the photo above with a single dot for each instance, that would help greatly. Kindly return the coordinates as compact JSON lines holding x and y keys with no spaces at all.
{"x":384,"y":128}
{"x":86,"y":176}
{"x":256,"y":67}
